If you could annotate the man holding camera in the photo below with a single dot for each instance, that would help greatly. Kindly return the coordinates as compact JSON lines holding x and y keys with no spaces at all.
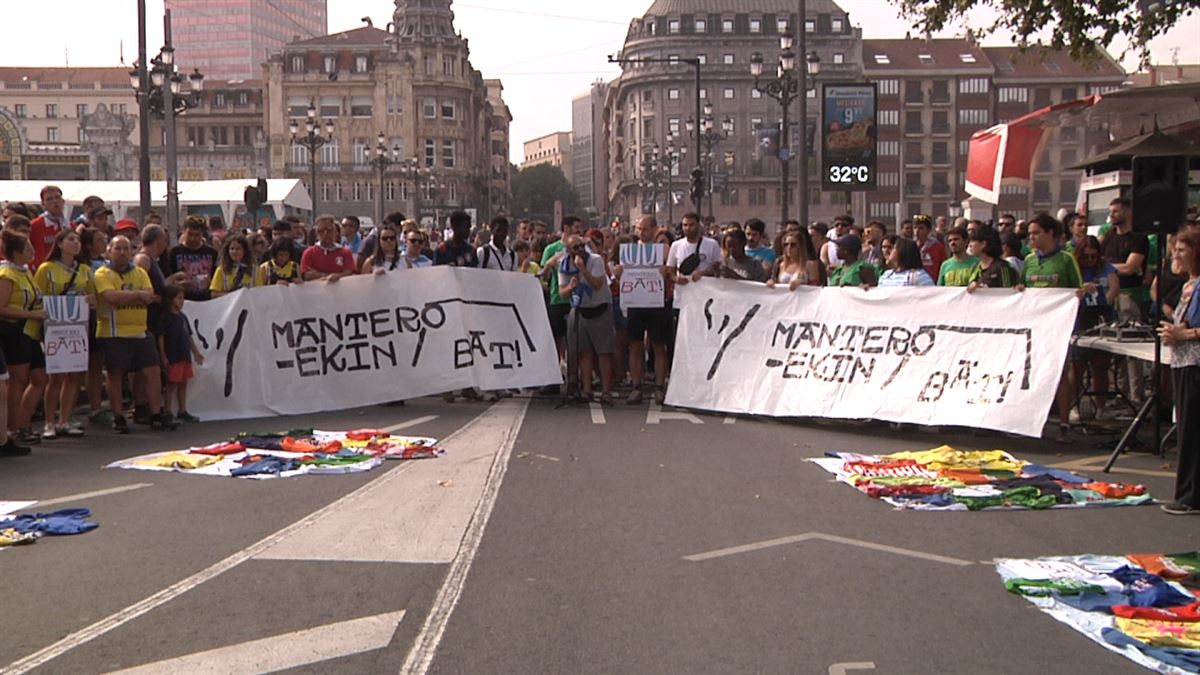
{"x":590,"y":334}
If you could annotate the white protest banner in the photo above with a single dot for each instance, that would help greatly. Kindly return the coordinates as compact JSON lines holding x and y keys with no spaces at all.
{"x":364,"y":340}
{"x":65,"y":333}
{"x":642,"y":283}
{"x":937,"y":356}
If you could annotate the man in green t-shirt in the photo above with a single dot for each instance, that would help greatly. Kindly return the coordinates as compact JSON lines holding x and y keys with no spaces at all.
{"x":956,"y":270}
{"x":1048,"y":266}
{"x":560,"y":307}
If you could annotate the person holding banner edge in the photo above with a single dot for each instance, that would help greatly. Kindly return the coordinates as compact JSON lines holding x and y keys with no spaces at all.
{"x":655,"y":323}
{"x":1183,"y":337}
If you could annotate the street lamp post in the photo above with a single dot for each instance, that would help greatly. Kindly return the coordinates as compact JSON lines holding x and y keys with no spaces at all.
{"x":785,"y":87}
{"x":381,"y":161}
{"x":412,"y":171}
{"x":313,"y":141}
{"x":707,"y":138}
{"x":160,"y":93}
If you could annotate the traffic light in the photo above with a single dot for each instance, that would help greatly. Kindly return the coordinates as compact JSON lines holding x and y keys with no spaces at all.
{"x":697,"y":186}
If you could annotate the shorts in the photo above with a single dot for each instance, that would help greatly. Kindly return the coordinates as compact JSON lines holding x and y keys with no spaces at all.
{"x":659,"y":322}
{"x":22,"y":350}
{"x":129,"y":354}
{"x":558,"y":318}
{"x":3,"y":368}
{"x":180,"y":372}
{"x":591,"y":335}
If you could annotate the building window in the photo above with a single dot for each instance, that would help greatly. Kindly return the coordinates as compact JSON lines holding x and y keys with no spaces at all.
{"x":964,"y":147}
{"x":889,"y":87}
{"x":701,"y":25}
{"x":889,"y":148}
{"x":1014,"y":94}
{"x":329,"y":154}
{"x":672,"y":58}
{"x":331,"y":106}
{"x":810,"y":26}
{"x":889,"y":118}
{"x":449,"y":66}
{"x":297,"y":106}
{"x":972,"y":116}
{"x":781,"y":26}
{"x":119,"y":108}
{"x":427,"y":63}
{"x":430,"y":152}
{"x":389,"y":190}
{"x":702,"y":58}
{"x":754,"y":93}
{"x":673,"y":126}
{"x":243,"y":98}
{"x":51,"y":110}
{"x":395,"y":103}
{"x":448,"y":109}
{"x":429,"y":108}
{"x":360,"y":106}
{"x":297,"y":64}
{"x":673,"y":26}
{"x":973,"y":85}
{"x":726,"y":25}
{"x":299,"y":153}
{"x":52,"y":134}
{"x":704,"y":93}
{"x":941,"y":122}
{"x":672,"y":94}
{"x":356,"y":191}
{"x":836,"y":25}
{"x":80,"y":110}
{"x":755,"y":25}
{"x":838,"y":57}
{"x":331,"y":64}
{"x":362,"y":152}
{"x":448,"y":154}
{"x":360,"y":64}
{"x":325,"y":192}
{"x":889,"y":179}
{"x":21,"y":110}
{"x":727,"y":59}
{"x":727,"y":93}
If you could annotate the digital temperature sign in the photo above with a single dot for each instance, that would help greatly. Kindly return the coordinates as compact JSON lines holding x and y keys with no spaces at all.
{"x":849,"y":137}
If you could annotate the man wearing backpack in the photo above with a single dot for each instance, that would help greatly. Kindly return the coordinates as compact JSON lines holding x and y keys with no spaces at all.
{"x":495,"y":255}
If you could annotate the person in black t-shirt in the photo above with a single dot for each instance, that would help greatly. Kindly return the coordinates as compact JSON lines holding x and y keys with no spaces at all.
{"x":195,"y":258}
{"x":1127,"y":251}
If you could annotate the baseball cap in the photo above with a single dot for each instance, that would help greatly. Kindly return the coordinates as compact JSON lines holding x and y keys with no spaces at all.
{"x":126,"y":224}
{"x":100,"y":211}
{"x":852,"y":243}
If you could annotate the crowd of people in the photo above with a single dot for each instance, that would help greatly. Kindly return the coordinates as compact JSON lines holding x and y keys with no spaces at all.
{"x":138,"y":284}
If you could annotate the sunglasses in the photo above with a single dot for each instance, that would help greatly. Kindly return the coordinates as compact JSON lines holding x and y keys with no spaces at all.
{"x":416,"y":240}
{"x":391,"y":238}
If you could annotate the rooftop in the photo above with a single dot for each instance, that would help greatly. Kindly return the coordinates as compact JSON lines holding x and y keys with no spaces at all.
{"x":677,"y":7}
{"x":921,"y":54}
{"x":1052,"y":65}
{"x":367,"y":36}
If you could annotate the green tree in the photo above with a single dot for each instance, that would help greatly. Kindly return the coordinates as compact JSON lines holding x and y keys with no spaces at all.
{"x":1081,"y":27}
{"x":535,"y":190}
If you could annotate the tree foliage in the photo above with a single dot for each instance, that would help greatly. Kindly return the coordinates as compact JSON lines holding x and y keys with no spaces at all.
{"x":1081,"y":27}
{"x":535,"y":190}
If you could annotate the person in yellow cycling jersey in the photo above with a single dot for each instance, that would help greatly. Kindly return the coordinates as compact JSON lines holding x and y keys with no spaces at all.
{"x":65,"y":272}
{"x":124,"y":290}
{"x":281,"y":266}
{"x":235,"y":268}
{"x":21,"y":316}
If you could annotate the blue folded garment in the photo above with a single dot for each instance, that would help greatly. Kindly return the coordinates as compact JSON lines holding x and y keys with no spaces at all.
{"x":66,"y":521}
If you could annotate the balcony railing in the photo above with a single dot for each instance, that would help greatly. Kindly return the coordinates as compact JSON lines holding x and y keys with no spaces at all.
{"x":940,"y":127}
{"x":914,"y":159}
{"x":914,"y":190}
{"x":940,"y":158}
{"x":914,"y":129}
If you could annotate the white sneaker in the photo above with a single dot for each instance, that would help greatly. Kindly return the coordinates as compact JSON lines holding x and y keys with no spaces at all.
{"x":1073,"y":416}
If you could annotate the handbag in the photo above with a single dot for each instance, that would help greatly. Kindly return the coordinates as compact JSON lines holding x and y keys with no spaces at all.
{"x":690,"y":263}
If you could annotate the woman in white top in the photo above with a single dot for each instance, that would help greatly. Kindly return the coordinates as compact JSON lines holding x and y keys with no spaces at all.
{"x":795,"y":266}
{"x":905,"y":268}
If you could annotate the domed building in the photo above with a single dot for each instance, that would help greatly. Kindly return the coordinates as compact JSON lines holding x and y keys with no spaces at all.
{"x":649,"y":105}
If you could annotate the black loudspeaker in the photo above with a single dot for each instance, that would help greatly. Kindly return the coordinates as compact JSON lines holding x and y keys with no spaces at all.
{"x":1159,"y":192}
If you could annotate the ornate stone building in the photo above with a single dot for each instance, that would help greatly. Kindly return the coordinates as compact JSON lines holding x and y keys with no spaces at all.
{"x":650,"y":101}
{"x":222,"y":138}
{"x":415,"y":84}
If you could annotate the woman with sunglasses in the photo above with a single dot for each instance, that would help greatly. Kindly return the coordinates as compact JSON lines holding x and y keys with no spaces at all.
{"x":387,"y":256}
{"x":796,"y":265}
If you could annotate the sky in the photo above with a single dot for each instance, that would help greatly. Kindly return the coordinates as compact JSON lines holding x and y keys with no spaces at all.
{"x":545,"y":51}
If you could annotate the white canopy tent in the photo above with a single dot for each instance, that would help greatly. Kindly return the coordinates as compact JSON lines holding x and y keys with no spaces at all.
{"x":285,"y":195}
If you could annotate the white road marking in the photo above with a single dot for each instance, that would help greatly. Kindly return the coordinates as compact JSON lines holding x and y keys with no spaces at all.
{"x":425,"y":647}
{"x":91,"y":495}
{"x":655,"y":415}
{"x":124,"y":616}
{"x":411,"y":423}
{"x":783,"y":541}
{"x":843,"y":668}
{"x":290,"y":650}
{"x":597,"y":413}
{"x":427,"y":510}
{"x":730,"y":419}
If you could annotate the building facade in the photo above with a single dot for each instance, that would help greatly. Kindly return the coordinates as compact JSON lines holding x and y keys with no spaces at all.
{"x":229,"y":40}
{"x":552,"y":149}
{"x":650,"y":102}
{"x":415,"y":85}
{"x":934,"y":94}
{"x":223,"y":137}
{"x":500,"y":196}
{"x":43,"y":124}
{"x":589,"y":162}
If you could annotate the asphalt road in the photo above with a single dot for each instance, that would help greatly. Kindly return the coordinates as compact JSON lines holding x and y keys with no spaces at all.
{"x":549,"y":541}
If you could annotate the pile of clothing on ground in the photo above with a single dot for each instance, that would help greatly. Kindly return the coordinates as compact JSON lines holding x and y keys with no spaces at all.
{"x":1142,"y":606}
{"x":945,"y":479}
{"x":284,"y":454}
{"x":17,"y":529}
